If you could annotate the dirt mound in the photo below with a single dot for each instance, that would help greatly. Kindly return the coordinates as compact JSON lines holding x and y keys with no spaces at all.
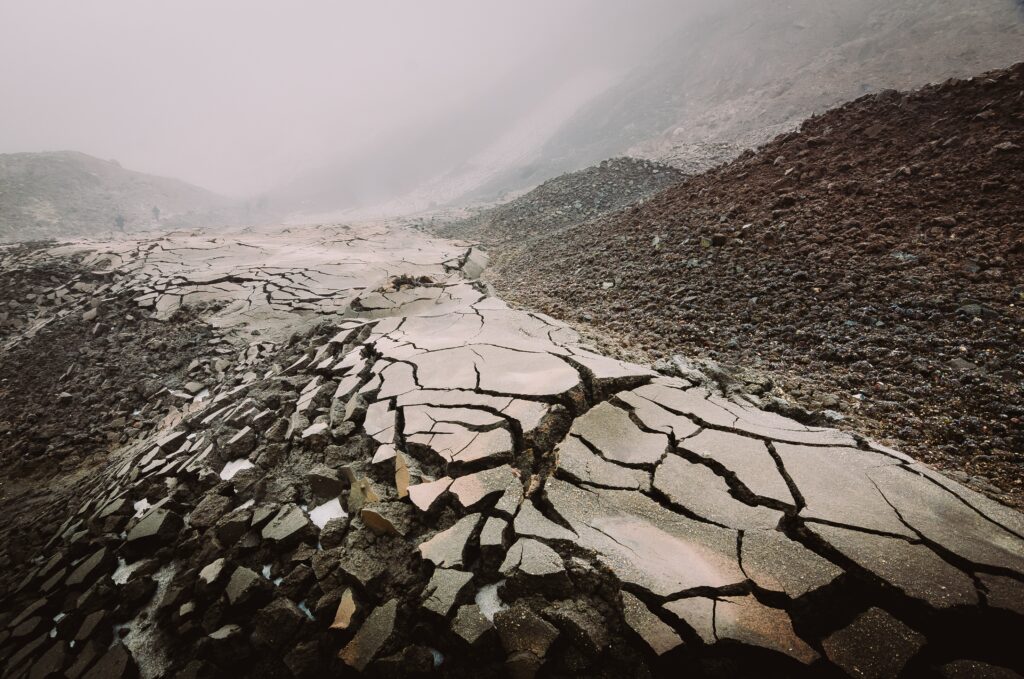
{"x":567,"y":200}
{"x":873,"y":261}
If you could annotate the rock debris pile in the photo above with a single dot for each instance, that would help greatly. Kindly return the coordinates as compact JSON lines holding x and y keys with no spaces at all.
{"x":421,"y":480}
{"x":872,"y":262}
{"x":567,"y":200}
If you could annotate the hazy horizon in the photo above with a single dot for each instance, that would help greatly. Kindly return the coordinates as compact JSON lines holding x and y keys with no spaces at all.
{"x":243,"y":97}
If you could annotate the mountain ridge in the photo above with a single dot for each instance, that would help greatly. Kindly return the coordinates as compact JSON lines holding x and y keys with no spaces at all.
{"x":70,"y":193}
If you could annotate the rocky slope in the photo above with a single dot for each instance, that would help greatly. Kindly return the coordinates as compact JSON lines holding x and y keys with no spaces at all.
{"x":365,"y":463}
{"x":65,"y":193}
{"x":566,"y":200}
{"x":872,"y":262}
{"x":739,"y":73}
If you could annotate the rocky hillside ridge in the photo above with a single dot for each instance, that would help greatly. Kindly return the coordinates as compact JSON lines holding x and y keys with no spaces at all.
{"x":566,"y":200}
{"x":872,"y":262}
{"x":741,"y":73}
{"x":65,"y":193}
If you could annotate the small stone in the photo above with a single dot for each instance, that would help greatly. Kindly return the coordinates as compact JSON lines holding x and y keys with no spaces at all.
{"x":225,"y":633}
{"x":333,"y":533}
{"x":304,"y":660}
{"x":361,"y":493}
{"x":470,"y":624}
{"x":232,"y":526}
{"x":378,"y":523}
{"x":245,"y":586}
{"x":116,"y":663}
{"x":324,"y":482}
{"x":424,"y":495}
{"x":402,"y":477}
{"x":347,"y":608}
{"x":446,"y":548}
{"x":51,"y":662}
{"x":95,"y":621}
{"x":277,"y":623}
{"x":660,"y":637}
{"x":212,"y":571}
{"x":89,"y":569}
{"x":194,"y":387}
{"x":581,"y":623}
{"x":521,"y":630}
{"x":209,"y":511}
{"x":159,"y":526}
{"x":444,"y":589}
{"x":371,"y":637}
{"x":874,"y":645}
{"x":493,"y":534}
{"x":289,"y":525}
{"x":241,"y":444}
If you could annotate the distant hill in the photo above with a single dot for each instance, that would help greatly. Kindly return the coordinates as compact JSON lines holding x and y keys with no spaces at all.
{"x":566,"y":200}
{"x":66,"y":193}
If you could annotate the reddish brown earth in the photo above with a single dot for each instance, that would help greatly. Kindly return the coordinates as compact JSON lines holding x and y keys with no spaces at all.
{"x":871,"y":262}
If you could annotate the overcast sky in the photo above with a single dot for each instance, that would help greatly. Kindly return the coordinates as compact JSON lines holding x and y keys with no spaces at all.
{"x":241,"y":95}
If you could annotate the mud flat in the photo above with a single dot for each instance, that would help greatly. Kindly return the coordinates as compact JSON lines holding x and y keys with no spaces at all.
{"x":393,"y":472}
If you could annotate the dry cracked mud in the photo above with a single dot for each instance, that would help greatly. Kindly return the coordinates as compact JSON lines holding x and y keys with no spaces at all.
{"x":392,"y":472}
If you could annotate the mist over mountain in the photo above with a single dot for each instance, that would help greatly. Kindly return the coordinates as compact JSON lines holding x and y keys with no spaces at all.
{"x":390,"y":109}
{"x":736,"y":74}
{"x":66,"y":193}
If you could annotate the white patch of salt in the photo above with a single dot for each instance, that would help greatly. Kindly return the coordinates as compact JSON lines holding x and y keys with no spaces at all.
{"x":140,"y":507}
{"x":305,"y":609}
{"x":488,"y":600}
{"x":233,"y":467}
{"x":327,"y":511}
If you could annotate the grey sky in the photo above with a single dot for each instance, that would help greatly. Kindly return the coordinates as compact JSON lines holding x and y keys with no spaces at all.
{"x":242,"y":95}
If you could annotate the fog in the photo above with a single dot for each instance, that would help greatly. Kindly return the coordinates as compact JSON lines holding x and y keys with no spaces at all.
{"x":242,"y":97}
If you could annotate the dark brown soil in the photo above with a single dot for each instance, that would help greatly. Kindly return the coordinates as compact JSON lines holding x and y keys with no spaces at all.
{"x":872,"y":263}
{"x":75,"y":390}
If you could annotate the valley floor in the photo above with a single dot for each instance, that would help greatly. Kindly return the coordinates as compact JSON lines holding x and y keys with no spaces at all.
{"x":365,"y":461}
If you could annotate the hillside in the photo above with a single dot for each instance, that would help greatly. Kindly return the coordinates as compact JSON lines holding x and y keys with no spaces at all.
{"x":66,"y":193}
{"x":566,"y":200}
{"x":739,"y":73}
{"x":872,"y":261}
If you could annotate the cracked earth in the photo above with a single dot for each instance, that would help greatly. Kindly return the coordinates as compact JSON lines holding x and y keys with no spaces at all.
{"x":395,"y":473}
